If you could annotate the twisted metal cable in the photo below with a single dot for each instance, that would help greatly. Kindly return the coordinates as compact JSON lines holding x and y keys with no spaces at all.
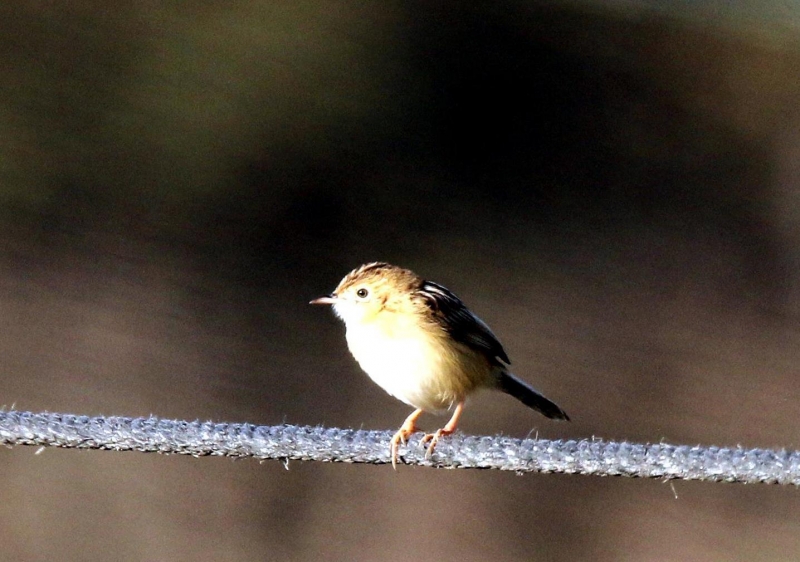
{"x":290,"y":442}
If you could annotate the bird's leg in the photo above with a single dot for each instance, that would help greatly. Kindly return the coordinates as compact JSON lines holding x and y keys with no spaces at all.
{"x":406,"y":430}
{"x":446,"y":430}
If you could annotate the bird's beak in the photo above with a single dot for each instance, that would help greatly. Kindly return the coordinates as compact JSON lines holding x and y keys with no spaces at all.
{"x":327,"y":299}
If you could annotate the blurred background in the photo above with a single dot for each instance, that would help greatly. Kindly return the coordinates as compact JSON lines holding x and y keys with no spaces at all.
{"x":613,"y":187}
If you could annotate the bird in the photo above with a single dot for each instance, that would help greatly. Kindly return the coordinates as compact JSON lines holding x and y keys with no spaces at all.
{"x":420,"y":343}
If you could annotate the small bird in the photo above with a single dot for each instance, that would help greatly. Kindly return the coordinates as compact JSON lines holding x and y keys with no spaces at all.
{"x":422,"y":345}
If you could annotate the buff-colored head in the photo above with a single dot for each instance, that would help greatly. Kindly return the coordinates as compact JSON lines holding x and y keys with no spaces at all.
{"x":371,"y":289}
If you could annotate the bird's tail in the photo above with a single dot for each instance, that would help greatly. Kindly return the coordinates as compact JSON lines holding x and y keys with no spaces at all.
{"x":520,"y":390}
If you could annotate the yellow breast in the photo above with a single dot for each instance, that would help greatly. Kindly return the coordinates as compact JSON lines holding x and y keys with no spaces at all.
{"x":422,"y":366}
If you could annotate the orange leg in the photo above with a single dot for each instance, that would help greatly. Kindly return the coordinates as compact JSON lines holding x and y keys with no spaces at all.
{"x":446,"y":430}
{"x":406,"y":430}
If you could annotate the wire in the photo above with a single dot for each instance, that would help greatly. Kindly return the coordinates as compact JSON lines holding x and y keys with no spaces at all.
{"x":290,"y":442}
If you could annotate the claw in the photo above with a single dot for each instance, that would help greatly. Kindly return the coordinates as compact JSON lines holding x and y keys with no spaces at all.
{"x":448,"y":429}
{"x":434,"y":439}
{"x":398,"y":438}
{"x":406,"y":430}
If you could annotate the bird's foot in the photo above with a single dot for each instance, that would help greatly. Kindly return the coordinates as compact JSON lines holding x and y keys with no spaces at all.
{"x":408,"y":428}
{"x":431,"y":439}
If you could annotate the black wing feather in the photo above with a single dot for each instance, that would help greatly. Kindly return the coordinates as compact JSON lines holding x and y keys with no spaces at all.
{"x":461,"y":323}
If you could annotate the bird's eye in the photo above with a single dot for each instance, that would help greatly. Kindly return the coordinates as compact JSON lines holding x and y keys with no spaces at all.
{"x":362,"y":293}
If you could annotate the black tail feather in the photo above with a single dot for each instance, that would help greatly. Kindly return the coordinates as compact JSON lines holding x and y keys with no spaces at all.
{"x":520,"y":390}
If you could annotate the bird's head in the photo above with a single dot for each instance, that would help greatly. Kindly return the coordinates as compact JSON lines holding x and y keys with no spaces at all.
{"x":371,"y":289}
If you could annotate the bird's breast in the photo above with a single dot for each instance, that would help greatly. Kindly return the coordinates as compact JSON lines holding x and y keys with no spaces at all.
{"x":423,"y":369}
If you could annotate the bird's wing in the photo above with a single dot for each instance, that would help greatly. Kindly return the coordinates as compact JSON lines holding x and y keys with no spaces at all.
{"x":460,"y":322}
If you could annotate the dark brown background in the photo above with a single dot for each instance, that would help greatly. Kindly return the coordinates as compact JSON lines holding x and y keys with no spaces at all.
{"x":614,"y":192}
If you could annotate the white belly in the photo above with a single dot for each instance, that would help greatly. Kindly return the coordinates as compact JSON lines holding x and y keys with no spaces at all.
{"x":419,"y":370}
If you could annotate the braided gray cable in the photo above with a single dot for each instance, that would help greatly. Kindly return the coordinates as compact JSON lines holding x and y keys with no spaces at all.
{"x":285,"y":442}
